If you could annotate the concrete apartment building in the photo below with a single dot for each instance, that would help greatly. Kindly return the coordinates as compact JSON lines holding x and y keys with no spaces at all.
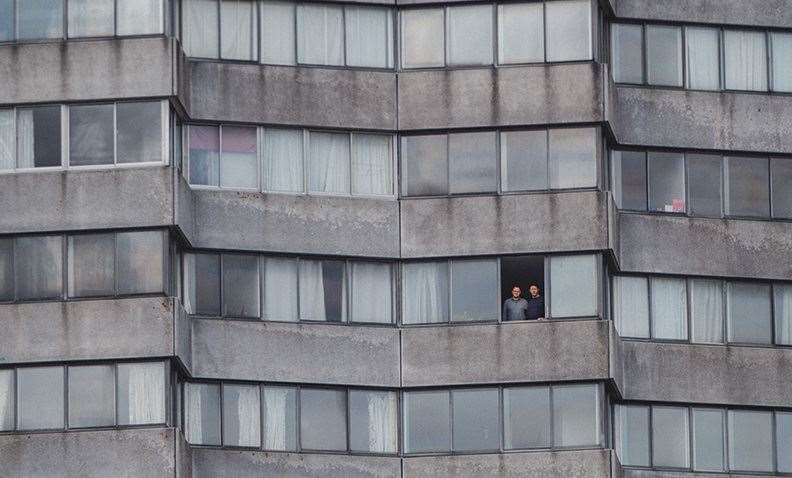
{"x":273,"y":238}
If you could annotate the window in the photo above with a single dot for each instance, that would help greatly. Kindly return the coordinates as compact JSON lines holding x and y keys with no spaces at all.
{"x":372,"y":167}
{"x":91,"y":18}
{"x":781,"y":45}
{"x":369,"y":36}
{"x":781,"y":174}
{"x":320,"y":34}
{"x":91,"y":265}
{"x":576,"y":415}
{"x":521,"y":33}
{"x":39,"y":400}
{"x":750,"y":441}
{"x":470,"y":35}
{"x":6,"y":270}
{"x":323,"y":419}
{"x":666,"y":173}
{"x":782,"y":309}
{"x":631,"y":306}
{"x":472,"y":163}
{"x":39,"y":19}
{"x":238,"y":35}
{"x":278,"y":24}
{"x":92,"y":396}
{"x":627,"y":57}
{"x":669,"y":308}
{"x":38,"y":267}
{"x":328,"y":164}
{"x":240,"y":285}
{"x":279,"y":277}
{"x":664,"y":55}
{"x":568,"y":30}
{"x":425,"y":292}
{"x":573,"y":273}
{"x":703,"y":58}
{"x":202,"y":413}
{"x":631,"y":434}
{"x":241,"y":415}
{"x":140,"y":17}
{"x":38,"y":136}
{"x":6,"y":20}
{"x":422,"y":35}
{"x":524,"y":159}
{"x":280,"y":418}
{"x":526,"y":418}
{"x":706,"y":311}
{"x":745,"y":60}
{"x":200,"y":36}
{"x":670,"y":437}
{"x":239,"y":160}
{"x":523,"y":272}
{"x":475,"y":419}
{"x":427,"y":421}
{"x":140,"y":262}
{"x":573,"y":157}
{"x":204,"y":155}
{"x":139,"y":135}
{"x":7,"y":139}
{"x":474,"y":294}
{"x":747,"y":184}
{"x":323,"y":290}
{"x":372,"y":292}
{"x":424,"y":164}
{"x":373,"y":421}
{"x":705,"y":181}
{"x":7,"y":394}
{"x":202,"y":272}
{"x":749,"y":312}
{"x":629,"y":179}
{"x":141,"y":393}
{"x":91,"y":140}
{"x":708,"y":440}
{"x":283,"y":160}
{"x":783,"y":438}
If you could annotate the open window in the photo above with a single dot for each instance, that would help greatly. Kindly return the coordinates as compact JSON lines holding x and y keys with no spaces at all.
{"x":523,"y":271}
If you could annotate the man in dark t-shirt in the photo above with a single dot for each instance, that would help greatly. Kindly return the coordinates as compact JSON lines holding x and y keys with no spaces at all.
{"x":536,"y":305}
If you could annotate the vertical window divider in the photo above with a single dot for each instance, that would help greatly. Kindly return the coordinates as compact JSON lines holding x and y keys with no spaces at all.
{"x":725,"y":318}
{"x":305,"y":162}
{"x":686,"y":183}
{"x":65,"y":378}
{"x":299,"y":299}
{"x":15,"y":395}
{"x":64,"y":292}
{"x":644,"y":59}
{"x":772,"y":314}
{"x":547,"y":157}
{"x":722,"y":59}
{"x":168,"y":139}
{"x":348,"y":416}
{"x":501,"y":438}
{"x":350,"y":142}
{"x":650,"y":438}
{"x":551,"y":414}
{"x":445,"y":38}
{"x":682,"y":46}
{"x":773,"y":439}
{"x":115,"y":17}
{"x":64,"y":130}
{"x":547,"y":285}
{"x":298,"y":418}
{"x":219,"y":155}
{"x":221,"y":261}
{"x":449,"y":295}
{"x":343,"y":50}
{"x":645,"y":155}
{"x":770,"y":187}
{"x":348,"y":281}
{"x":727,"y":441}
{"x":691,"y":445}
{"x":689,"y":310}
{"x":494,"y":19}
{"x":451,"y":420}
{"x":220,"y":409}
{"x":768,"y":61}
{"x":115,"y":134}
{"x":115,"y":264}
{"x":219,"y":30}
{"x":544,"y":30}
{"x":260,"y":159}
{"x":500,"y":288}
{"x":722,"y":187}
{"x":649,"y":306}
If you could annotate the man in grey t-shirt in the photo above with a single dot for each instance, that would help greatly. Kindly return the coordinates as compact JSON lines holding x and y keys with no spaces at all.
{"x":514,"y":308}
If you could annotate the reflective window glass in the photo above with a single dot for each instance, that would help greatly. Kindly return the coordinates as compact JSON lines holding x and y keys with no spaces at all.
{"x":40,"y":398}
{"x":424,"y":165}
{"x":708,"y":439}
{"x":749,"y":312}
{"x":666,"y":173}
{"x":631,"y":306}
{"x":92,"y":396}
{"x":139,"y":132}
{"x":631,"y":434}
{"x":141,"y":393}
{"x":747,"y":187}
{"x":39,"y":19}
{"x":373,"y":421}
{"x":474,"y":291}
{"x":323,"y":419}
{"x":629,"y":179}
{"x":38,"y":267}
{"x":670,"y":442}
{"x":470,"y":35}
{"x":568,"y":30}
{"x":750,"y":440}
{"x":476,"y":419}
{"x":91,"y":265}
{"x":705,"y":181}
{"x":202,"y":413}
{"x":576,"y":415}
{"x":422,"y":36}
{"x":520,"y":33}
{"x":140,"y":262}
{"x":91,"y":18}
{"x":240,"y":285}
{"x":573,"y":157}
{"x":425,"y":292}
{"x":323,"y":290}
{"x":91,"y":136}
{"x":573,"y":286}
{"x":427,"y":421}
{"x":526,"y":418}
{"x":241,"y":415}
{"x":38,"y":131}
{"x":627,"y":53}
{"x":664,"y":55}
{"x":523,"y":160}
{"x":320,"y":34}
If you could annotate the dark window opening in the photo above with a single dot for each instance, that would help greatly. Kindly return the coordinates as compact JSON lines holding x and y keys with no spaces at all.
{"x":523,"y":271}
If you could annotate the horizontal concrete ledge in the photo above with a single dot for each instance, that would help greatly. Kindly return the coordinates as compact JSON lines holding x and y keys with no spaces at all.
{"x":87,"y":70}
{"x":559,"y":464}
{"x":89,"y":454}
{"x":707,"y":374}
{"x":86,"y":330}
{"x":298,"y":353}
{"x":628,"y":473}
{"x":710,"y":247}
{"x":771,"y":13}
{"x":296,"y":224}
{"x":512,"y":224}
{"x":209,"y":463}
{"x":510,"y":352}
{"x":703,"y":120}
{"x":489,"y":97}
{"x":320,"y":97}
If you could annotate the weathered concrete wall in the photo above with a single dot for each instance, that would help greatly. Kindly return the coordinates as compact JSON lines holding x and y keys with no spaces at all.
{"x":528,"y":95}
{"x":510,"y":352}
{"x":558,"y":464}
{"x":184,"y":457}
{"x":703,"y":120}
{"x":308,"y":353}
{"x":75,"y":200}
{"x":681,"y":245}
{"x":297,"y":224}
{"x":318,"y":97}
{"x":209,"y":463}
{"x":86,"y":330}
{"x":182,"y":342}
{"x":184,"y":207}
{"x":87,"y":70}
{"x":616,"y":358}
{"x":128,"y":453}
{"x":575,"y":221}
{"x":774,"y":13}
{"x":713,"y":374}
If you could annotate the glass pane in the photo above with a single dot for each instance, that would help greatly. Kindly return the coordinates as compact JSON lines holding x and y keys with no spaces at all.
{"x":141,"y":17}
{"x":523,"y":160}
{"x":202,"y":413}
{"x":139,"y":132}
{"x":781,"y":172}
{"x":526,"y":418}
{"x":631,"y":434}
{"x":6,"y":20}
{"x":576,"y":415}
{"x":750,"y":441}
{"x":238,"y":35}
{"x":425,"y":289}
{"x":782,"y":309}
{"x":631,"y":306}
{"x":241,"y":415}
{"x":7,"y":137}
{"x":568,"y":30}
{"x":476,"y":418}
{"x":520,"y":33}
{"x":427,"y":422}
{"x":39,"y":137}
{"x":745,"y":60}
{"x":627,"y":57}
{"x":91,"y":18}
{"x":37,"y":19}
{"x":38,"y":262}
{"x":204,"y":155}
{"x":573,"y":157}
{"x":279,"y":289}
{"x":670,"y":443}
{"x":203,"y":283}
{"x":784,"y":441}
{"x":706,"y":310}
{"x":474,"y":286}
{"x":283,"y":160}
{"x":7,"y":400}
{"x":573,"y":287}
{"x":6,"y":270}
{"x":703,"y":58}
{"x":140,"y":262}
{"x":666,"y":182}
{"x":422,"y":36}
{"x":200,"y":35}
{"x":704,"y":184}
{"x":320,"y":34}
{"x":328,"y":167}
{"x":39,"y":398}
{"x":373,"y":421}
{"x":747,"y":187}
{"x":277,"y":32}
{"x":369,"y":36}
{"x":629,"y":179}
{"x":280,"y":418}
{"x":782,"y":61}
{"x":472,"y":162}
{"x":372,"y":168}
{"x":141,"y":393}
{"x":91,"y":139}
{"x":91,"y":265}
{"x":323,"y":290}
{"x":664,"y":55}
{"x":92,"y":396}
{"x":372,"y":292}
{"x":239,"y":162}
{"x":240,"y":285}
{"x":424,"y":165}
{"x":323,"y":419}
{"x":669,"y":308}
{"x":749,"y":312}
{"x":470,"y":35}
{"x":708,"y":434}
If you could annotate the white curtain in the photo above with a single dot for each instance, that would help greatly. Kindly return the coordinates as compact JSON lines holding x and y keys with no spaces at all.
{"x":469,"y":34}
{"x":239,"y":160}
{"x":631,"y":306}
{"x":283,"y":159}
{"x":243,"y":428}
{"x":239,"y":39}
{"x":313,"y":291}
{"x":192,"y":412}
{"x":371,"y":292}
{"x":706,"y":309}
{"x":703,"y":58}
{"x":7,"y":139}
{"x":277,"y":32}
{"x":669,"y":308}
{"x":371,"y":164}
{"x":745,"y":60}
{"x":200,"y":35}
{"x":520,"y":33}
{"x":6,"y":400}
{"x":369,"y":35}
{"x":26,"y":149}
{"x":276,"y":416}
{"x":425,"y":293}
{"x":782,"y":61}
{"x":140,"y":17}
{"x":329,"y":163}
{"x":573,"y":286}
{"x":146,"y":388}
{"x":783,"y":313}
{"x":382,"y":422}
{"x":280,"y":289}
{"x":320,"y":34}
{"x":91,"y":18}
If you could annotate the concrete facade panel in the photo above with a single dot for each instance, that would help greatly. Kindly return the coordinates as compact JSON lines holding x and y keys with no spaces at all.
{"x":184,"y":208}
{"x":504,"y":224}
{"x":772,"y":13}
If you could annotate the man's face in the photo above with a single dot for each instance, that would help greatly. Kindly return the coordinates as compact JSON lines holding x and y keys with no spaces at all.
{"x":516,"y":292}
{"x":534,"y":291}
